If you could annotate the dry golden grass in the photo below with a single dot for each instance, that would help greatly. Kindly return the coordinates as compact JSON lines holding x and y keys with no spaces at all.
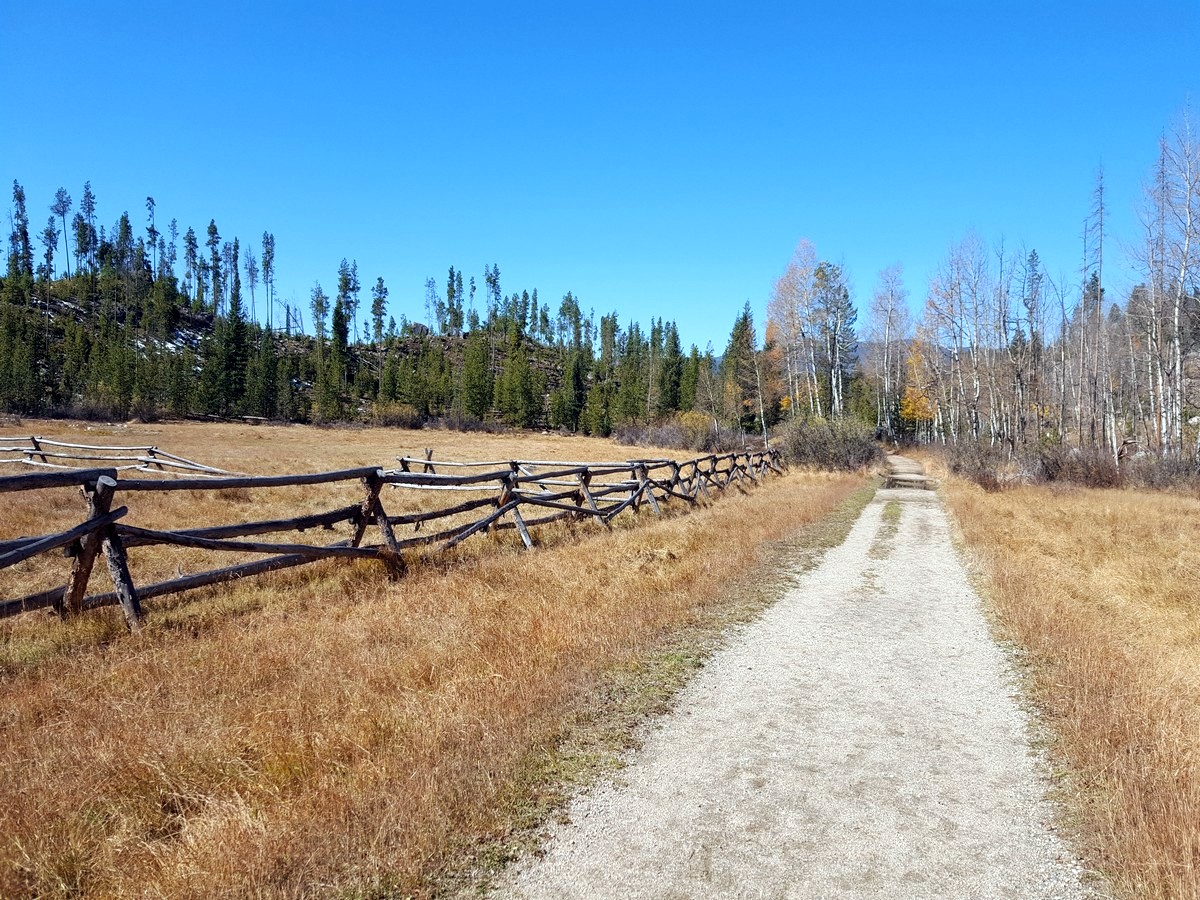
{"x":259,"y":450}
{"x":325,"y":732}
{"x":1099,"y":587}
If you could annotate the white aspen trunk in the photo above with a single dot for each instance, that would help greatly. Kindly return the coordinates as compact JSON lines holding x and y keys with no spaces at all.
{"x":791,"y":380}
{"x":1082,"y":368}
{"x":815,"y":395}
{"x":1160,"y":385}
{"x":1111,"y":425}
{"x":1176,"y":315}
{"x":762,"y":416}
{"x":1137,"y":391}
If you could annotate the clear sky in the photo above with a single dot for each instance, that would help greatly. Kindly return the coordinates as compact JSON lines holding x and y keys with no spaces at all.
{"x":655,"y":159}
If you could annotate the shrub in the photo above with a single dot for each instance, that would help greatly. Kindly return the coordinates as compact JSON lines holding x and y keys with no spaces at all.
{"x":459,"y":421}
{"x":686,"y":431}
{"x":395,"y":415}
{"x":1148,"y":470}
{"x":1091,"y":468}
{"x":841,"y":444}
{"x":1051,"y":462}
{"x":976,"y":462}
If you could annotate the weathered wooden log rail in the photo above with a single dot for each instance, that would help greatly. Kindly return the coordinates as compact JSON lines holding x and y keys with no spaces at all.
{"x":23,"y":450}
{"x":557,"y":490}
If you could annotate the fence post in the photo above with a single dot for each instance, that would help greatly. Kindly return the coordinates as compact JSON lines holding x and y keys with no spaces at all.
{"x":646,"y":488}
{"x":372,"y":511}
{"x":524,"y":532}
{"x":702,"y":478}
{"x":585,"y":480}
{"x":507,"y":494}
{"x":99,"y":498}
{"x":749,"y":466}
{"x":114,"y":557}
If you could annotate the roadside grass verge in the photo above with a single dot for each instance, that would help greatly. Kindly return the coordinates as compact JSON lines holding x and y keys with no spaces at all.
{"x":1099,"y":589}
{"x":333,"y":734}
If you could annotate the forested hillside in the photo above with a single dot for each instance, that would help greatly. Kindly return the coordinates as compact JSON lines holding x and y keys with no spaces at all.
{"x":141,"y":320}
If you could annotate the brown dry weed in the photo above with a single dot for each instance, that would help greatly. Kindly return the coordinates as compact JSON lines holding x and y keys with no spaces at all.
{"x":1098,"y":586}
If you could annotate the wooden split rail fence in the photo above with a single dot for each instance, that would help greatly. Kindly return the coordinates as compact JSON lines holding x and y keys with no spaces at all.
{"x":51,"y":454}
{"x":557,"y":490}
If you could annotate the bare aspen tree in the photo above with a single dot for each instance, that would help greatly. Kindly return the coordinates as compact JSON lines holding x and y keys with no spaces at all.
{"x":1168,"y":258}
{"x":888,"y":328}
{"x":836,"y":327}
{"x":792,"y":309}
{"x":1182,"y":245}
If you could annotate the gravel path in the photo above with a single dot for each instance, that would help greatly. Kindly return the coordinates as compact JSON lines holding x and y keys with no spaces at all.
{"x":861,"y":739}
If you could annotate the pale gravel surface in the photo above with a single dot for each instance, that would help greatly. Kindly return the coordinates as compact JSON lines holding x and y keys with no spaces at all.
{"x":863,"y":738}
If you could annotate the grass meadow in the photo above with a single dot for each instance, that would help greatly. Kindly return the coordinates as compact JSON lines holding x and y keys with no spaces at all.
{"x":324,"y":731}
{"x":1098,"y":588}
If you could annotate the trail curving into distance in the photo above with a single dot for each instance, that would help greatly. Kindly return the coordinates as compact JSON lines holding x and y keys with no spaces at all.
{"x":863,"y":738}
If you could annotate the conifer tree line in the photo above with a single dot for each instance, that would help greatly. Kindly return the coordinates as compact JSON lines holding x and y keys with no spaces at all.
{"x":145,"y":320}
{"x":1003,"y":352}
{"x":1006,"y":354}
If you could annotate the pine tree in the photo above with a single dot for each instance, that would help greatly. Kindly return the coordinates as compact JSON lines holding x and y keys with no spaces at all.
{"x":352,"y":301}
{"x":567,"y":403}
{"x":379,"y":295}
{"x":597,"y":416}
{"x":152,"y":234}
{"x":517,"y":396}
{"x":251,"y":265}
{"x":632,"y":383}
{"x":19,"y":243}
{"x":87,"y":207}
{"x":670,"y":372}
{"x":191,"y":257}
{"x":214,"y":267}
{"x":339,"y":342}
{"x":268,"y":274}
{"x":62,"y":206}
{"x":739,"y":373}
{"x":261,"y":379}
{"x":476,"y":377}
{"x":50,"y":243}
{"x":236,"y":344}
{"x":458,"y":318}
{"x":319,"y":304}
{"x":689,"y":380}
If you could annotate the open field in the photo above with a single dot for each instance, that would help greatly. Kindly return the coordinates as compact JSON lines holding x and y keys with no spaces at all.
{"x":259,"y":451}
{"x":327,"y":732}
{"x":1099,"y":588}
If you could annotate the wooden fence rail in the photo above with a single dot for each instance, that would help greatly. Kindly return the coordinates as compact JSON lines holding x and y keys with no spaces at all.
{"x":23,"y":450}
{"x":558,"y":490}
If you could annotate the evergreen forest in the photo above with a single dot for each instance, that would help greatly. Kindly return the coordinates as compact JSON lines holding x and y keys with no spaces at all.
{"x":141,"y":320}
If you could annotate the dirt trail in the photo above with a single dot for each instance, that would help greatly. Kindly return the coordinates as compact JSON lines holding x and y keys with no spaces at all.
{"x":861,"y":739}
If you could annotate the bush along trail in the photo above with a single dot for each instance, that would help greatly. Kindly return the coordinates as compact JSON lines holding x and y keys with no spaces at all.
{"x":860,"y":739}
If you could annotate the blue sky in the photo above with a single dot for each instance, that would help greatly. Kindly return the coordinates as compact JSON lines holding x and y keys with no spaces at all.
{"x":655,"y":159}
